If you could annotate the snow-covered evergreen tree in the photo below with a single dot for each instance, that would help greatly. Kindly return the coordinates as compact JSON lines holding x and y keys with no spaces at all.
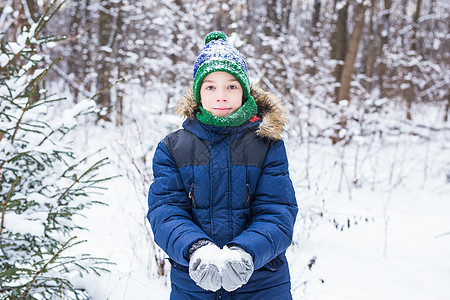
{"x":43,"y":183}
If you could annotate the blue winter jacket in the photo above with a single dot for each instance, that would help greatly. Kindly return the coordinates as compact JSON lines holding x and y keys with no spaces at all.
{"x":229,"y":185}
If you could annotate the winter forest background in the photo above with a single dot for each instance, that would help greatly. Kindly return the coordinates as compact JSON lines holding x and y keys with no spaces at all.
{"x":88,"y":88}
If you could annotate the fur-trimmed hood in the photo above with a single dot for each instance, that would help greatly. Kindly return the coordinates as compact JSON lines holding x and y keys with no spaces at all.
{"x":269,"y":106}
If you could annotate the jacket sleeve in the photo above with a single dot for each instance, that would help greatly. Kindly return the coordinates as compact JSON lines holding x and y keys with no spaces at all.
{"x":169,"y":209}
{"x":274,"y":209}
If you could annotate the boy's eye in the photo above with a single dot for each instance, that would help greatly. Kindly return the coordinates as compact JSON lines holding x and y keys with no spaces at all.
{"x":232,"y":87}
{"x":209,"y":87}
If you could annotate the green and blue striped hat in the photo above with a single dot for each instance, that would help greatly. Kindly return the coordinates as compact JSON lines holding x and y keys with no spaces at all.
{"x":219,"y":56}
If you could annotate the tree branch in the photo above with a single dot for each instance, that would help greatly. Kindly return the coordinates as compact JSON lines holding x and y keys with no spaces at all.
{"x":55,"y":256}
{"x":5,"y":203}
{"x":79,"y":178}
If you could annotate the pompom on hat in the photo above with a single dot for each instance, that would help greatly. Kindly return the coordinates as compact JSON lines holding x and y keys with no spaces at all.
{"x":219,"y":56}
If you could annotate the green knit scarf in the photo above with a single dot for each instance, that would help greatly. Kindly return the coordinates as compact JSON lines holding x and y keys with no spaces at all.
{"x":244,"y":113}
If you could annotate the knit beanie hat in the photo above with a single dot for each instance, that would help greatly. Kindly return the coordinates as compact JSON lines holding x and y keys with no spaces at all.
{"x":219,"y":56}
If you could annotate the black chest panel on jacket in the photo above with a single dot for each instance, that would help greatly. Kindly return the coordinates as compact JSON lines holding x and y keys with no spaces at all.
{"x":188,"y":150}
{"x":249,"y":150}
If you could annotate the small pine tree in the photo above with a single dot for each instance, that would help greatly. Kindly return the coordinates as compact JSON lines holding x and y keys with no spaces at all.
{"x":43,"y":184}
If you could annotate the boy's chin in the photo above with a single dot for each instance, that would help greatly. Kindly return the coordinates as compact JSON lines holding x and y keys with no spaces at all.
{"x":221,"y":114}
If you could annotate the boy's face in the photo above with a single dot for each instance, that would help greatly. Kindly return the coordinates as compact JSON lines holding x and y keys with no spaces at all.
{"x":221,"y":94}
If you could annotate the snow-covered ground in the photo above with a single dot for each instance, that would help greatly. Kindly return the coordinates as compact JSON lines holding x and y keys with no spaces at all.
{"x":374,"y":219}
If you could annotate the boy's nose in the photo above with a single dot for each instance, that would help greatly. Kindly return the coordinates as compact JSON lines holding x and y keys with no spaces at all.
{"x":221,"y":96}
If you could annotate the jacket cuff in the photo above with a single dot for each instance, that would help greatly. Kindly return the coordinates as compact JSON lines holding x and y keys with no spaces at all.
{"x":197,"y":245}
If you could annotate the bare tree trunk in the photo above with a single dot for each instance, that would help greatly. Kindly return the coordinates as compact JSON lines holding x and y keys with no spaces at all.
{"x":410,"y":93}
{"x":370,"y":61}
{"x":272,"y":23}
{"x":384,"y":38}
{"x":286,"y":14}
{"x":222,"y":17}
{"x":447,"y":107}
{"x":339,"y":42}
{"x":119,"y":104}
{"x":33,"y":9}
{"x":174,"y":58}
{"x":249,"y":14}
{"x":352,"y":51}
{"x":76,"y":61}
{"x":21,"y":19}
{"x":426,"y":51}
{"x":311,"y":49}
{"x":316,"y":17}
{"x":121,"y":68}
{"x":105,"y":55}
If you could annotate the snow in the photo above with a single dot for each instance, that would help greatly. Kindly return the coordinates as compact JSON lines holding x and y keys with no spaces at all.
{"x":340,"y":5}
{"x":215,"y":255}
{"x":81,"y":107}
{"x":106,"y":49}
{"x":25,"y":224}
{"x":4,"y":59}
{"x":436,"y":44}
{"x":353,"y":264}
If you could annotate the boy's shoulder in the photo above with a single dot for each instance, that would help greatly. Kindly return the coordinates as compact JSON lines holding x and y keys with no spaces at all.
{"x":251,"y":149}
{"x":174,"y":135}
{"x":179,"y":137}
{"x":184,"y":146}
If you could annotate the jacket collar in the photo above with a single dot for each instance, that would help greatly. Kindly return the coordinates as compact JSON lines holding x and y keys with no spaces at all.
{"x":270,"y":110}
{"x":211,"y":132}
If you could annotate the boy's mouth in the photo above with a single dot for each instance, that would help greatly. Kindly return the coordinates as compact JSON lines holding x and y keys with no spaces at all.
{"x":222,"y":110}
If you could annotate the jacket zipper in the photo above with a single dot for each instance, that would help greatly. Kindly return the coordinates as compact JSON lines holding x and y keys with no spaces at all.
{"x":191,"y":195}
{"x":249,"y":192}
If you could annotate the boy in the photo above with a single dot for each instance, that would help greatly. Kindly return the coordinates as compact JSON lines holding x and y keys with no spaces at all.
{"x":222,"y":205}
